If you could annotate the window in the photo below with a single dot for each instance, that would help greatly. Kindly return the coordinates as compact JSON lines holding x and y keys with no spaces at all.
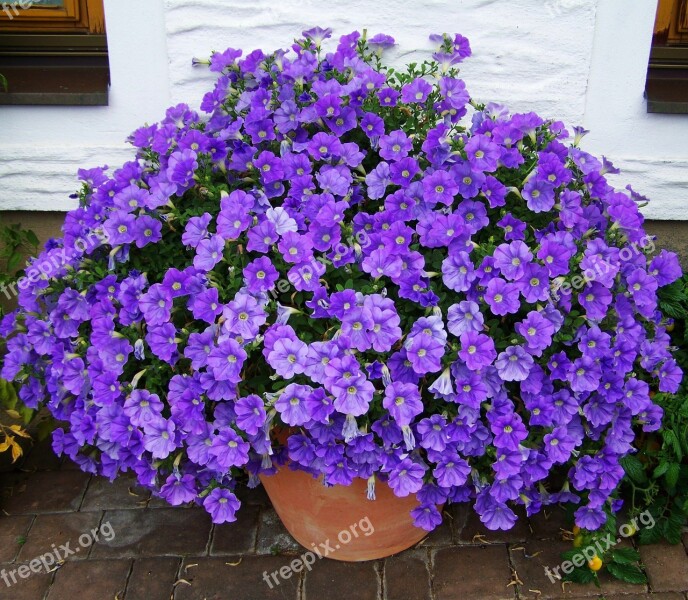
{"x":54,"y":52}
{"x":667,"y":75}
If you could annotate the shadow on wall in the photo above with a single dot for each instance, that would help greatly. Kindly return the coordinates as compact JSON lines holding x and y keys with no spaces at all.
{"x":44,"y":224}
{"x":672,"y":235}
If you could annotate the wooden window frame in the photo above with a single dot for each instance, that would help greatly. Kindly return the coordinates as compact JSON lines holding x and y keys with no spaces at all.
{"x":666,"y":88}
{"x":85,"y":16}
{"x":55,"y":56}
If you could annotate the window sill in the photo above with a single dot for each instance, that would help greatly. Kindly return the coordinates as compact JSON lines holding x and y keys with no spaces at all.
{"x":58,"y":81}
{"x":666,"y":88}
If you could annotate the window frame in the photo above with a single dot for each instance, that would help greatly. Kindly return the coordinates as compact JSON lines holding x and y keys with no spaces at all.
{"x":666,"y":86}
{"x":62,"y":61}
{"x":86,"y":16}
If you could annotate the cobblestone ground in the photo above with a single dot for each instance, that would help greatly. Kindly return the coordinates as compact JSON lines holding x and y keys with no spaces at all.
{"x":155,"y":552}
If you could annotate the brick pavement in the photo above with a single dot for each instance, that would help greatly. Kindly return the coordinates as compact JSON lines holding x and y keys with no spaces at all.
{"x":156,"y":552}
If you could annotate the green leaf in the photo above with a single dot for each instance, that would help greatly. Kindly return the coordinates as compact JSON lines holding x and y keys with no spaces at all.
{"x":671,"y":528}
{"x":625,"y":556}
{"x":570,"y":554}
{"x":671,"y":475}
{"x":661,"y":469}
{"x":580,"y":575}
{"x":650,"y":536}
{"x":627,"y":573}
{"x":634,"y":468}
{"x":8,"y":394}
{"x":670,"y":439}
{"x":45,"y":428}
{"x":13,"y":262}
{"x":32,"y":238}
{"x":26,"y":414}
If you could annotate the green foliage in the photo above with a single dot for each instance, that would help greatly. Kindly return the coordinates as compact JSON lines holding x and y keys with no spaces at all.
{"x":655,"y":486}
{"x":626,"y":572}
{"x":621,"y":562}
{"x":15,"y":244}
{"x":657,"y":475}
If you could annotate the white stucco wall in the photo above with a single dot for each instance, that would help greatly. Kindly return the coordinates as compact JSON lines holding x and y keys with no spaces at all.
{"x":582,"y":61}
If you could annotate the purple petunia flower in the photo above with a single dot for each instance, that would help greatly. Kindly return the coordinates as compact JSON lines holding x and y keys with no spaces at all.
{"x":209,"y":253}
{"x":354,"y":396}
{"x":250,"y":413}
{"x":482,"y":152}
{"x":179,"y":490}
{"x":406,"y":478}
{"x":511,"y":259}
{"x":477,"y":350}
{"x":463,"y":317}
{"x":403,"y":402}
{"x":502,"y":297}
{"x":226,"y":361}
{"x":514,"y":364}
{"x":426,"y":516}
{"x":228,"y":449}
{"x":162,"y":341}
{"x":288,"y":357}
{"x":244,"y":316}
{"x":159,"y":437}
{"x":451,"y":471}
{"x":222,"y":505}
{"x":292,"y":406}
{"x":416,"y":92}
{"x":497,"y":515}
{"x":424,"y":353}
{"x":458,"y":271}
{"x":537,"y":331}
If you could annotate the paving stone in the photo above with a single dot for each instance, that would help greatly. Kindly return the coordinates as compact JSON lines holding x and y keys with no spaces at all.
{"x":158,"y":502}
{"x":531,"y":559}
{"x":256,"y":495}
{"x":474,"y":532}
{"x":48,"y":491}
{"x":214,"y":579}
{"x":13,"y":532}
{"x":238,"y":537}
{"x":660,"y":596}
{"x":32,"y":586}
{"x":666,"y":566}
{"x":478,"y":573}
{"x":68,"y":464}
{"x":11,"y":484}
{"x":42,"y":458}
{"x":60,"y":530}
{"x":161,"y":532}
{"x":457,"y":516}
{"x":549,"y":523}
{"x":152,"y":579}
{"x":102,"y":494}
{"x":406,"y":576}
{"x":335,"y":580}
{"x":440,"y":536}
{"x":90,"y":580}
{"x":273,"y":536}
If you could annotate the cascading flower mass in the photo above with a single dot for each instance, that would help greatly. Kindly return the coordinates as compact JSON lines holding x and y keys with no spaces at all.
{"x":359,"y":271}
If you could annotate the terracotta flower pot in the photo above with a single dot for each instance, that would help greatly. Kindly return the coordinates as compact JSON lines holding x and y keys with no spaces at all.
{"x":339,"y":522}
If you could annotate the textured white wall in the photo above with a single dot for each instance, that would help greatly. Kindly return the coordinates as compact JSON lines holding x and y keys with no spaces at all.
{"x":582,"y":61}
{"x":41,"y":147}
